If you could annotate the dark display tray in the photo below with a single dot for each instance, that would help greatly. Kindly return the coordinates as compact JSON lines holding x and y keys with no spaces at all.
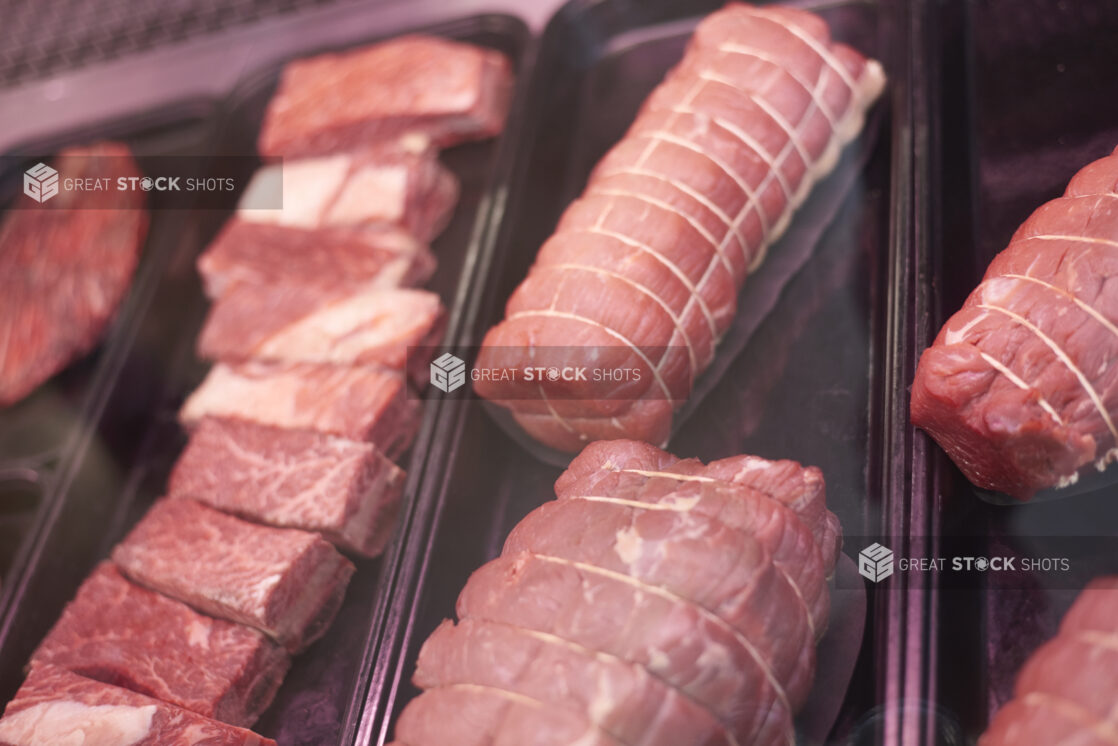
{"x":810,"y":383}
{"x":110,"y":473}
{"x":1015,"y":109}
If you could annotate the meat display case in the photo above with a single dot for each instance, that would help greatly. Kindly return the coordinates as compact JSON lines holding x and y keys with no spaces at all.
{"x":1011,"y":111}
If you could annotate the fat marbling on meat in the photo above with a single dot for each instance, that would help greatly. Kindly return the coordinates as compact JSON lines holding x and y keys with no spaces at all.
{"x":656,"y":601}
{"x":123,"y":634}
{"x":1019,"y":386}
{"x":55,"y":706}
{"x":346,"y":490}
{"x":644,"y":268}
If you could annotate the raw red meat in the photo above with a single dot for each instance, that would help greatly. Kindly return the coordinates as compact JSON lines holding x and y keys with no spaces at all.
{"x":303,"y":323}
{"x":655,"y":607}
{"x":365,"y":402}
{"x":66,"y":268}
{"x":122,"y":634}
{"x":57,"y":707}
{"x":287,"y":583}
{"x":644,"y":268}
{"x":445,"y":90}
{"x":1018,"y":387}
{"x":347,"y":491}
{"x":1066,"y":692}
{"x":332,"y":258}
{"x":405,"y":187}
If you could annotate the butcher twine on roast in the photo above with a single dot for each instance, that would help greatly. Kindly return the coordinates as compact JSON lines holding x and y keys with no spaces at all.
{"x":644,"y":268}
{"x":1065,"y":693}
{"x":656,"y":601}
{"x":1018,"y":387}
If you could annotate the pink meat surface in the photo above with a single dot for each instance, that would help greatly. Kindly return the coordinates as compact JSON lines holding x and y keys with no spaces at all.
{"x":1066,"y":691}
{"x":645,"y":267}
{"x":347,"y":491}
{"x":367,"y":403}
{"x":445,"y":90}
{"x":123,"y":634}
{"x":1018,"y":386}
{"x":287,"y":583}
{"x":405,"y":187}
{"x":305,"y":323}
{"x":245,"y":252}
{"x":66,"y":268}
{"x":657,"y":601}
{"x":55,"y":706}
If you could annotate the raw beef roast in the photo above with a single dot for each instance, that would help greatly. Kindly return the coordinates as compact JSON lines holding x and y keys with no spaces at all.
{"x":445,"y":90}
{"x":1066,"y":692}
{"x":1019,"y":387}
{"x":287,"y":583}
{"x":656,"y":602}
{"x":56,"y":707}
{"x":331,"y":258}
{"x":644,"y":268}
{"x":357,"y":402}
{"x":347,"y":491}
{"x":304,"y":323}
{"x":408,"y":188}
{"x":122,"y":634}
{"x":66,"y":268}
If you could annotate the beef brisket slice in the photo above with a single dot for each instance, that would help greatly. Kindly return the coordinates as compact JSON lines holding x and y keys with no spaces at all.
{"x":445,"y":90}
{"x":346,"y":490}
{"x":651,"y":256}
{"x":66,"y":268}
{"x":126,"y":635}
{"x":55,"y":706}
{"x":287,"y":583}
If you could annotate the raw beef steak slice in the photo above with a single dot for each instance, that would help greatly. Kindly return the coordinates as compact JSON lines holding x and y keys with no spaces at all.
{"x":330,"y":258}
{"x":287,"y":583}
{"x":367,"y":403}
{"x":644,"y":268}
{"x":66,"y":268}
{"x":126,"y":635}
{"x":1019,"y":386}
{"x":347,"y":491}
{"x":405,"y":188}
{"x":302,"y":323}
{"x":445,"y":90}
{"x":55,"y":706}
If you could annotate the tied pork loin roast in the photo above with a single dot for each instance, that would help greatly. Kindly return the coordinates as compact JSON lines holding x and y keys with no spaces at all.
{"x":644,"y":268}
{"x":656,"y":601}
{"x":66,"y":267}
{"x":1018,"y":387}
{"x":1065,"y":693}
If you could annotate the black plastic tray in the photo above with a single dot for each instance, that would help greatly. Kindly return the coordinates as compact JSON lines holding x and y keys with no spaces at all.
{"x":808,"y":385}
{"x":122,"y":462}
{"x":1015,"y":109}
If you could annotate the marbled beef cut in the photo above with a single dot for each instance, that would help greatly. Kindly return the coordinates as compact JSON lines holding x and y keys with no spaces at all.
{"x":657,"y":601}
{"x":65,"y":268}
{"x":287,"y":583}
{"x":123,"y":634}
{"x":360,"y":402}
{"x":1065,"y":693}
{"x":644,"y":268}
{"x":246,"y":252}
{"x":1019,"y":387}
{"x":55,"y":707}
{"x":347,"y":491}
{"x":445,"y":90}
{"x":405,"y":187}
{"x":294,"y":323}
